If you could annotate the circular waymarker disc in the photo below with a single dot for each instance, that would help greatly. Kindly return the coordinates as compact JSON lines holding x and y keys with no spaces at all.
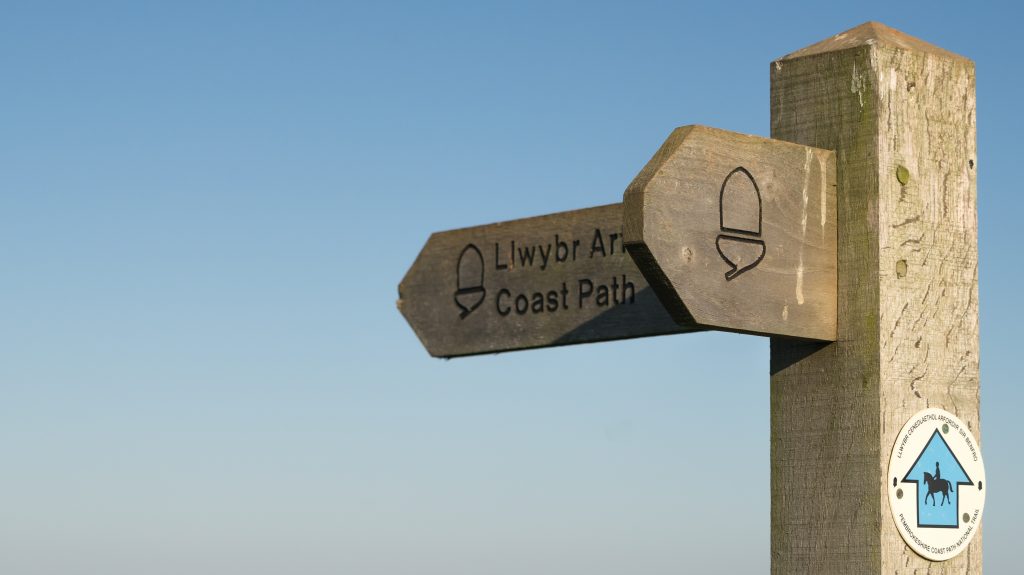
{"x":936,"y":484}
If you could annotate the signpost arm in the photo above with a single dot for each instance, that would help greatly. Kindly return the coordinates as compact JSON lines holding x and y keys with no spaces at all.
{"x":900,"y":114}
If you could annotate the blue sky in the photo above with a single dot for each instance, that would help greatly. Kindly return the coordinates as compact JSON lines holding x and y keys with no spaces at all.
{"x":206,"y":211}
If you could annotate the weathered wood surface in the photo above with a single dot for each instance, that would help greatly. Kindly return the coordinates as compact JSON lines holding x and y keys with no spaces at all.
{"x":738,"y":233}
{"x":894,"y":108}
{"x":551,"y":280}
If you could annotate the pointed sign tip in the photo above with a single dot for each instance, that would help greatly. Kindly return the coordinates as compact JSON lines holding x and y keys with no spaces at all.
{"x":868,"y":34}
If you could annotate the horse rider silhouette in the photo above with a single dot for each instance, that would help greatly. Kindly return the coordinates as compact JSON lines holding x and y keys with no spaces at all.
{"x":937,"y":485}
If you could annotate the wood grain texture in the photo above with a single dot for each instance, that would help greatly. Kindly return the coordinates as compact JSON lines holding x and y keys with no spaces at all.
{"x":908,"y":296}
{"x":738,"y":233}
{"x":551,"y":280}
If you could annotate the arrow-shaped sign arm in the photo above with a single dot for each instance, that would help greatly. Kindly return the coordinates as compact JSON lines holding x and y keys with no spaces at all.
{"x":738,"y":232}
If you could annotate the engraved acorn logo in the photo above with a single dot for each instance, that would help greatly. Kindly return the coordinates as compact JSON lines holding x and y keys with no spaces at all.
{"x":469,"y":280}
{"x":740,"y":243}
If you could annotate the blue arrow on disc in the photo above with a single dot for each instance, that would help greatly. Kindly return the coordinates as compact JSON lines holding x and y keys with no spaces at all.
{"x":938,"y":475}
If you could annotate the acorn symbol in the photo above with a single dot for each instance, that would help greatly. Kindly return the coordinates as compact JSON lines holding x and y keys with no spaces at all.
{"x":469,"y":280}
{"x":740,"y":243}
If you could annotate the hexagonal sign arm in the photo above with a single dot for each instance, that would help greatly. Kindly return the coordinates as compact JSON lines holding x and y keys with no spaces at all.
{"x":546,"y":281}
{"x":738,"y":233}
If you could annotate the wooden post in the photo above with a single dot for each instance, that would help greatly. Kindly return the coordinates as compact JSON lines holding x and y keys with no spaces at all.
{"x":900,"y":114}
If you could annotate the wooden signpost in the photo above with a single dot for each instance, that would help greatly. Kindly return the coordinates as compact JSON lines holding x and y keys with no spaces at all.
{"x":858,"y":256}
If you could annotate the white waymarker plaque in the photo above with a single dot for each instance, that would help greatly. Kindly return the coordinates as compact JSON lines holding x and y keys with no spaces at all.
{"x":936,"y":484}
